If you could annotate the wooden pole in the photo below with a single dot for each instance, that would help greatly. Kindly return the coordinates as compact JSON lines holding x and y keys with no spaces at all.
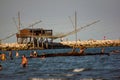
{"x":76,"y":26}
{"x":19,"y":22}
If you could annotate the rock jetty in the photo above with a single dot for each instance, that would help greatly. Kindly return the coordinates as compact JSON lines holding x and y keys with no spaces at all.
{"x":70,"y":44}
{"x":92,"y":43}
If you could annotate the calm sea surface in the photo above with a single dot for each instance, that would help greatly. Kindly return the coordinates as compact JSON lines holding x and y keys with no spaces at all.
{"x":63,"y":68}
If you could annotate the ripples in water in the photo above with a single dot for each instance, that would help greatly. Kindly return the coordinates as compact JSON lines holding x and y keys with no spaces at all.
{"x":63,"y":68}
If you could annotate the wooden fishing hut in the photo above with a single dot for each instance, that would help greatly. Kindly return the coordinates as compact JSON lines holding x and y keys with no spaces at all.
{"x":37,"y":37}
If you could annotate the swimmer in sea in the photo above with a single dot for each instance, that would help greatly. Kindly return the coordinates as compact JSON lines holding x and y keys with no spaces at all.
{"x":10,"y":55}
{"x":17,"y":54}
{"x":35,"y":54}
{"x":102,"y":50}
{"x":0,"y":67}
{"x":24,"y":61}
{"x":82,"y":49}
{"x":3,"y":57}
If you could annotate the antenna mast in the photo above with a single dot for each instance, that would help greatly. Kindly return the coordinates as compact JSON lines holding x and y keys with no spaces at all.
{"x":19,"y":22}
{"x":76,"y":26}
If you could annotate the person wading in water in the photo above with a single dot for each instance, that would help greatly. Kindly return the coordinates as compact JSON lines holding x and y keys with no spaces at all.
{"x":82,"y":49}
{"x":17,"y":54}
{"x":24,"y":61}
{"x":3,"y":57}
{"x":0,"y":67}
{"x":10,"y":55}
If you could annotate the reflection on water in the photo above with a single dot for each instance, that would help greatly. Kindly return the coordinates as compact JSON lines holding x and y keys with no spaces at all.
{"x":63,"y":68}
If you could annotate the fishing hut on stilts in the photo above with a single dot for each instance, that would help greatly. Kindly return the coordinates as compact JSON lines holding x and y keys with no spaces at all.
{"x":38,"y":37}
{"x":35,"y":37}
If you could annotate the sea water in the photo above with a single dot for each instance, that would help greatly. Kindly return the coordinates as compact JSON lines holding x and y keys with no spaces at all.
{"x":96,"y":67}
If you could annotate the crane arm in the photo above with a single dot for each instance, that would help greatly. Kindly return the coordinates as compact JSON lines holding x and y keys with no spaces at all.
{"x":15,"y":33}
{"x":34,"y":23}
{"x":77,"y":30}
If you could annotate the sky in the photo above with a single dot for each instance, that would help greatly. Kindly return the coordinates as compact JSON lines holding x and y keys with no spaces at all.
{"x":56,"y":14}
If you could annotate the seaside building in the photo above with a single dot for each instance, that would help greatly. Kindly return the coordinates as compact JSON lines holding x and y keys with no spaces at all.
{"x":37,"y":37}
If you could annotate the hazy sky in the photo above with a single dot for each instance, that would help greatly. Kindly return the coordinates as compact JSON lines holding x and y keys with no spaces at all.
{"x":55,"y":15}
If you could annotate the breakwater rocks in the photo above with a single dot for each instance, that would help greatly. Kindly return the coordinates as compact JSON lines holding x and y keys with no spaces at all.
{"x":92,"y":43}
{"x":63,"y":44}
{"x":13,"y":46}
